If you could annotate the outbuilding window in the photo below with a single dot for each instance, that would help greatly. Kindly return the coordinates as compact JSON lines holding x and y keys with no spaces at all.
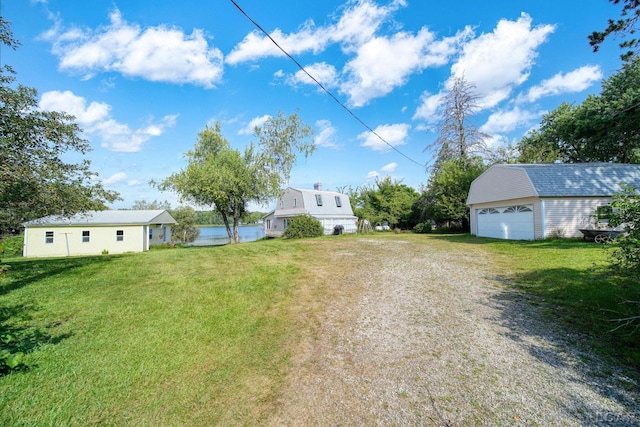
{"x":119,"y":235}
{"x":603,"y":213}
{"x":489,"y":211}
{"x":86,"y":236}
{"x":48,"y":236}
{"x":518,"y":208}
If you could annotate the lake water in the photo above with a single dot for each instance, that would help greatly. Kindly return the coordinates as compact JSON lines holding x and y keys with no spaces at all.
{"x":218,"y":235}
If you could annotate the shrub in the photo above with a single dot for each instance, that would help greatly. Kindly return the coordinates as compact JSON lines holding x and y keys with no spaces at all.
{"x":303,"y":226}
{"x":423,"y":228}
{"x":626,"y":214}
{"x":11,"y":246}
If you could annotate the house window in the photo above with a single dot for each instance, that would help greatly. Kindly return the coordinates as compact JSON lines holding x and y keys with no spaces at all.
{"x":119,"y":235}
{"x":268,"y":224}
{"x":281,"y":204}
{"x":603,"y":213}
{"x":48,"y":237}
{"x":295,"y":202}
{"x":286,"y":223}
{"x":338,"y":202}
{"x":319,"y":199}
{"x":86,"y":236}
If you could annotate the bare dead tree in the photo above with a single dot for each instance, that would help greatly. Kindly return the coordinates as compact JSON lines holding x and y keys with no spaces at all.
{"x":458,"y":137}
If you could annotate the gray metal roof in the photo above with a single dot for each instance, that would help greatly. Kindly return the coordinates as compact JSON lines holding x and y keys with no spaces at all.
{"x":115,"y":217}
{"x":580,"y":179}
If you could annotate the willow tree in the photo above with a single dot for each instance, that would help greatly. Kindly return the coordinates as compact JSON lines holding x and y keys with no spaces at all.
{"x":227,"y":180}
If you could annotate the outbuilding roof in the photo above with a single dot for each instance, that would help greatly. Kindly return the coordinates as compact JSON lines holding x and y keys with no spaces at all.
{"x":108,"y":217}
{"x":579,"y":179}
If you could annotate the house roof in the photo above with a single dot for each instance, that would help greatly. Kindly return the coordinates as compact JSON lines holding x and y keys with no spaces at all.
{"x":579,"y":179}
{"x":307,"y":204}
{"x":517,"y":181}
{"x":109,"y":217}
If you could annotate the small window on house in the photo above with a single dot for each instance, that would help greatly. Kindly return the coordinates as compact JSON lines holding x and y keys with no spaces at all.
{"x":281,"y":204}
{"x":286,"y":223}
{"x":48,"y":237}
{"x":603,"y":213}
{"x":338,"y":202}
{"x":295,"y":202}
{"x":119,"y":235}
{"x":319,"y":199}
{"x":86,"y":236}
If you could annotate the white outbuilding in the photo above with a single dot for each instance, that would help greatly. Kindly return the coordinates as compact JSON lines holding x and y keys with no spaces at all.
{"x":97,"y":232}
{"x":536,"y":201}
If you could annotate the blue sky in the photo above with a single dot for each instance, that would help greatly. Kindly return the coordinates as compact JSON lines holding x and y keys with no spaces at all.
{"x":144,"y":77}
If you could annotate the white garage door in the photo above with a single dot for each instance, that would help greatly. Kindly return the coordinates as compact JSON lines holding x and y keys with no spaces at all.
{"x":508,"y":222}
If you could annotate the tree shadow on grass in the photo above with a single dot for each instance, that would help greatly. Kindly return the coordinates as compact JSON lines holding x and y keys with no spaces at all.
{"x":20,"y":331}
{"x":23,"y":272}
{"x":563,"y":317}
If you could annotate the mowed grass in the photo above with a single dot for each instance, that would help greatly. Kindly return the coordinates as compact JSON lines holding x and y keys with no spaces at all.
{"x":168,"y":337}
{"x":573,"y":281}
{"x":202,"y":336}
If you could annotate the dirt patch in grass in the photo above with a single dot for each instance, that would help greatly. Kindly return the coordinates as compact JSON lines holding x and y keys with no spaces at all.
{"x":414,"y":331}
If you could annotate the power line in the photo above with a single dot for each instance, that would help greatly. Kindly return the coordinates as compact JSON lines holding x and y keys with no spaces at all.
{"x":340,"y":103}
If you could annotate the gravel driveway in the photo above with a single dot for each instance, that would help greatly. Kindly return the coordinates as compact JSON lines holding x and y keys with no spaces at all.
{"x":424,"y":335}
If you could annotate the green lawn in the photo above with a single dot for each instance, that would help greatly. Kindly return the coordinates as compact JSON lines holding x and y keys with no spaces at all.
{"x":201,"y":336}
{"x":572,"y":280}
{"x":185,"y":336}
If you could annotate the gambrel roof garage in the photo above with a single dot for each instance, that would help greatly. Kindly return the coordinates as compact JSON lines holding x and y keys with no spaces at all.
{"x":536,"y":201}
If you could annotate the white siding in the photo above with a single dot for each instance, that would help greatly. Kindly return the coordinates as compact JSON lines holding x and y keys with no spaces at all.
{"x":566,"y":216}
{"x":500,"y":183}
{"x":67,"y":241}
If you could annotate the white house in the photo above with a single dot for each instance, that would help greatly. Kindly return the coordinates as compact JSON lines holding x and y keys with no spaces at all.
{"x":95,"y":232}
{"x":535,"y":201}
{"x":330,"y":208}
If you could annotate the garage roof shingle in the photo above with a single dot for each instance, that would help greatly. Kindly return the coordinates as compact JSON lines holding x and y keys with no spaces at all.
{"x":580,"y":179}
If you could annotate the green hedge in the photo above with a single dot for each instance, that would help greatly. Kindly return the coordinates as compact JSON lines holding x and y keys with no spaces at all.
{"x":303,"y":226}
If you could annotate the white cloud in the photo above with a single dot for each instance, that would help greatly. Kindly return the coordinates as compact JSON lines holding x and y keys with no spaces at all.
{"x":116,"y":178}
{"x":76,"y":106}
{"x":357,"y":24}
{"x":372,"y":175}
{"x":499,"y":61}
{"x":388,"y":168}
{"x":324,"y":73}
{"x":571,"y":82}
{"x":255,"y":46}
{"x":384,"y":63}
{"x":326,"y":137}
{"x":255,"y":122}
{"x":95,"y":118}
{"x":428,"y":109}
{"x":506,"y":121}
{"x":394,"y":135}
{"x":160,"y":54}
